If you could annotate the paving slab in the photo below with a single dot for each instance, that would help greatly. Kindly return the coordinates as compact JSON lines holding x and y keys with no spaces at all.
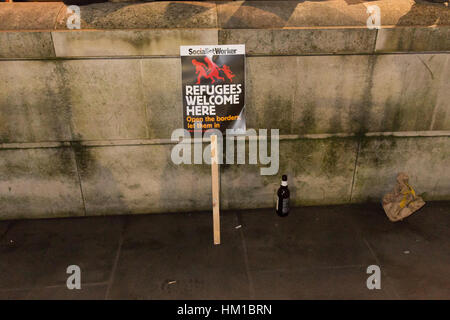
{"x":89,"y":292}
{"x":173,"y":257}
{"x":3,"y":227}
{"x":314,"y":253}
{"x":328,"y":283}
{"x":413,"y":254}
{"x":314,"y":237}
{"x":36,"y":253}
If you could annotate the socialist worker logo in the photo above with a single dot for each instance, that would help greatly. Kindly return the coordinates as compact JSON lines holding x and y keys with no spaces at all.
{"x":211,"y":71}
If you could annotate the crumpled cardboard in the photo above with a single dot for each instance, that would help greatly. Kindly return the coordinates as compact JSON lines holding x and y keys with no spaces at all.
{"x":402,"y":201}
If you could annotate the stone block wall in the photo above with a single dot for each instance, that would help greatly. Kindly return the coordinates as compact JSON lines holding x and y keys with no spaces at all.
{"x":86,"y":115}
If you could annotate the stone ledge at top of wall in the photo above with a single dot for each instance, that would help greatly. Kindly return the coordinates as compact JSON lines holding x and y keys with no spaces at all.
{"x":333,"y":13}
{"x":223,"y":14}
{"x":123,"y":15}
{"x":32,"y":30}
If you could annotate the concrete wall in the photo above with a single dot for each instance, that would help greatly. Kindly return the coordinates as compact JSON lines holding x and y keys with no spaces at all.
{"x":86,"y":115}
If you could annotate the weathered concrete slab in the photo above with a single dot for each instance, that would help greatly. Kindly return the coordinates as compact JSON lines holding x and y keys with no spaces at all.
{"x":141,"y":179}
{"x":354,"y":12}
{"x":279,"y":14}
{"x":29,"y":16}
{"x":441,"y":116}
{"x":163,"y":96}
{"x":270,"y":91}
{"x":258,"y":14}
{"x":368,"y":93}
{"x":301,"y":41}
{"x":164,"y":14}
{"x":331,"y":94}
{"x":425,"y":159}
{"x":39,"y":183}
{"x":404,"y":91}
{"x":106,"y":99}
{"x":413,"y":39}
{"x":153,"y":42}
{"x":319,"y":171}
{"x":33,"y":103}
{"x":26,"y":45}
{"x":345,"y":93}
{"x":416,"y":13}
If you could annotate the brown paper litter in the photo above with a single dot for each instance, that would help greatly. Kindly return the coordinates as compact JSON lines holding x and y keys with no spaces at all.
{"x":402,"y":201}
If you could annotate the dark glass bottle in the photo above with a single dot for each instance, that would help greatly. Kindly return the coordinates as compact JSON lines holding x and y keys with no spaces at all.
{"x":283,"y":198}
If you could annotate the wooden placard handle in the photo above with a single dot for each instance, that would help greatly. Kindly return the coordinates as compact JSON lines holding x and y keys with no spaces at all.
{"x":215,"y":189}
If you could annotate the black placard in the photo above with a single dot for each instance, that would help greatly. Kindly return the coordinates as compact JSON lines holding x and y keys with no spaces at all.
{"x":213,"y":79}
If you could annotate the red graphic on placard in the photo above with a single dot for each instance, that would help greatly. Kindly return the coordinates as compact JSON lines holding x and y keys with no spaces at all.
{"x":228,"y":72}
{"x":212,"y":71}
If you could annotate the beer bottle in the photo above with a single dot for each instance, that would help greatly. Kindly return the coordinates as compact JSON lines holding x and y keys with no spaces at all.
{"x":283,"y":194}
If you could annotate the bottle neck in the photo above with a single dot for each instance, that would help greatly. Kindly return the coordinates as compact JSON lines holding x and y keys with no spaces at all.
{"x":284,"y":183}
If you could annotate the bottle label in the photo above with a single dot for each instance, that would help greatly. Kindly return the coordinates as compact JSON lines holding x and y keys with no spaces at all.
{"x":284,"y":205}
{"x":285,"y":208}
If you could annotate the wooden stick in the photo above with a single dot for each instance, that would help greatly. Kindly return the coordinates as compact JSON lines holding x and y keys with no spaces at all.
{"x":215,"y":189}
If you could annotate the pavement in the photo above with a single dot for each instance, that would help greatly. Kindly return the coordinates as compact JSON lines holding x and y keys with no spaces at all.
{"x":314,"y":253}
